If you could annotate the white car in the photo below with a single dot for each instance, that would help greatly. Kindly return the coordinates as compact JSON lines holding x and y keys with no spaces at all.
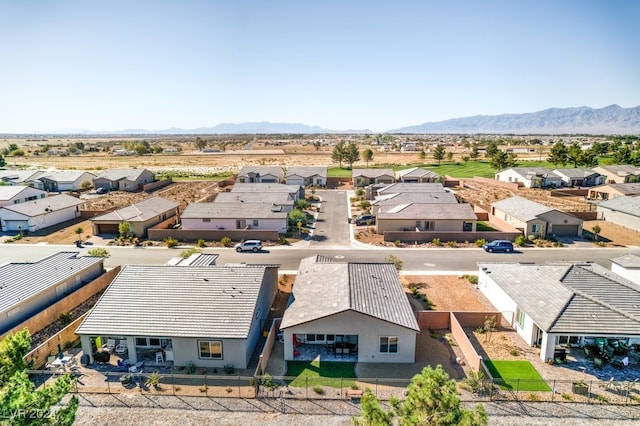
{"x":249,"y":245}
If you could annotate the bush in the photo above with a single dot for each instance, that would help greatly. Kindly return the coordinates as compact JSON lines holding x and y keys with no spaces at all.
{"x":318,"y":389}
{"x":452,"y":244}
{"x":200,"y":243}
{"x":359,"y":192}
{"x":397,"y":243}
{"x":473,"y":279}
{"x":225,"y":241}
{"x":514,"y":352}
{"x":282,"y":241}
{"x":191,"y":367}
{"x":480,"y":242}
{"x":436,"y":242}
{"x":229,"y":369}
{"x":414,"y":290}
{"x":66,"y":317}
{"x":267,"y":381}
{"x":566,"y":396}
{"x":170,"y":242}
{"x":520,"y":241}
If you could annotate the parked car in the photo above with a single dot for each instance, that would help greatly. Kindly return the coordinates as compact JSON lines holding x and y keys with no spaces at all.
{"x":365,"y":219}
{"x":102,"y":190}
{"x":249,"y":245}
{"x":498,"y":246}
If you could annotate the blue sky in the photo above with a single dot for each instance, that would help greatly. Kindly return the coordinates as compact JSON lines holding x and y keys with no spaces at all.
{"x":378,"y":65}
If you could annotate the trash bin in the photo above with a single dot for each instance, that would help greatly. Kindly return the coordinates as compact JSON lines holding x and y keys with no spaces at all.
{"x":84,"y":360}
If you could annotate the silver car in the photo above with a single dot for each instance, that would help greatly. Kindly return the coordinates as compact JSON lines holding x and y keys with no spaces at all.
{"x":249,"y":245}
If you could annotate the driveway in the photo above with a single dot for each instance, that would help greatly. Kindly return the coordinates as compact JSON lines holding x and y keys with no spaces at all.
{"x":332,"y":226}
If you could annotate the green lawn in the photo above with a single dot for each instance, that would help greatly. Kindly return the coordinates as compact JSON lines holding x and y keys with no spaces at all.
{"x":511,"y":371}
{"x":316,"y":373}
{"x":483,"y":227}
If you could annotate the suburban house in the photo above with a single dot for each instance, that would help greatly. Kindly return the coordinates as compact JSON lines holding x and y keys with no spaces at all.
{"x":536,"y":219}
{"x":260,"y":174}
{"x":627,"y":266}
{"x":37,"y":214}
{"x":417,"y":175}
{"x":364,"y":177}
{"x":530,"y":177}
{"x":613,"y":190}
{"x":234,"y":215}
{"x":623,"y":211}
{"x":401,"y":198}
{"x":295,"y":192}
{"x":376,"y":191}
{"x":142,"y":216}
{"x":16,"y":194}
{"x":205,"y":315}
{"x":621,"y":173}
{"x":306,"y":176}
{"x":350,"y":311}
{"x":284,"y":200}
{"x":123,"y":179}
{"x":19,"y":177}
{"x":555,"y":306}
{"x":579,"y":177}
{"x":28,"y":288}
{"x":426,"y":217}
{"x":66,"y":181}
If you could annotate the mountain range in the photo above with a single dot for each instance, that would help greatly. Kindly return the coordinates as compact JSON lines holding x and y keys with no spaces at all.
{"x":612,"y":119}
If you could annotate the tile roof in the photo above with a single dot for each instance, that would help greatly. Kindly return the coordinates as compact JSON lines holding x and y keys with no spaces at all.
{"x":45,"y":205}
{"x":521,"y":208}
{"x":624,"y":204}
{"x":261,"y":170}
{"x":571,"y":298}
{"x":427,"y":211}
{"x":20,"y":281}
{"x":178,"y":301}
{"x":416,"y":197}
{"x":307,"y":171}
{"x":627,"y":261}
{"x":411,"y":187}
{"x":231,"y":210}
{"x":139,"y":212}
{"x":372,"y":173}
{"x":118,"y":174}
{"x":7,"y":192}
{"x":416,"y":172}
{"x":323,"y":288}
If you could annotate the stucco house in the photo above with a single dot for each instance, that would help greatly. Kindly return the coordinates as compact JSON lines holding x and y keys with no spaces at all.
{"x":613,"y":190}
{"x":358,"y":310}
{"x":623,"y":211}
{"x":579,"y":177}
{"x":142,"y":216}
{"x":260,"y":174}
{"x":402,"y":198}
{"x":37,"y":214}
{"x":364,"y":177}
{"x":20,"y":177}
{"x":28,"y":288}
{"x":123,"y":179}
{"x":536,"y":219}
{"x":627,"y":266}
{"x":16,"y":194}
{"x":208,"y":316}
{"x":620,"y":173}
{"x":561,"y":305}
{"x":234,"y":215}
{"x":295,"y":192}
{"x":426,"y":217}
{"x":61,"y":181}
{"x":417,"y":175}
{"x":283,"y":200}
{"x":530,"y":177}
{"x":306,"y":175}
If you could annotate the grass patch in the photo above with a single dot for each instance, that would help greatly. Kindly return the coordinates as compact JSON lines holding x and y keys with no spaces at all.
{"x":517,"y":375}
{"x":316,"y":373}
{"x":337,"y":172}
{"x":483,"y":226}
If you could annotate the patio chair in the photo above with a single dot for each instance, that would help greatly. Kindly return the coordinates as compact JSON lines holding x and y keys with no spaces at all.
{"x":598,"y":362}
{"x":122,"y":348}
{"x":49,"y":364}
{"x":111,"y":345}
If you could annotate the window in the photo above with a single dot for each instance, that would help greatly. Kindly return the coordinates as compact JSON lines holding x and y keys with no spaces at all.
{"x":519,"y":317}
{"x":429,"y":225}
{"x":389,"y":344}
{"x":206,"y":219}
{"x":148,"y":341}
{"x":210,"y":349}
{"x":535,"y":227}
{"x":255,"y":222}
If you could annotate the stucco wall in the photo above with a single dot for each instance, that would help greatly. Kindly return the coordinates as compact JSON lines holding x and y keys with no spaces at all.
{"x":448,"y":236}
{"x":620,"y":218}
{"x":213,"y":235}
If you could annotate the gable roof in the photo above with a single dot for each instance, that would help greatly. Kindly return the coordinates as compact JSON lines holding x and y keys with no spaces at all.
{"x":119,"y":174}
{"x":323,"y":288}
{"x":65,"y":175}
{"x":20,"y":281}
{"x":521,"y":208}
{"x":19,"y":176}
{"x":427,"y":211}
{"x":576,"y":172}
{"x":571,"y":298}
{"x":530,"y":172}
{"x":178,"y":301}
{"x":416,"y":197}
{"x":307,"y":171}
{"x":278,"y":198}
{"x":620,"y":169}
{"x":632,"y":188}
{"x":45,"y":205}
{"x":411,"y":187}
{"x":417,"y":172}
{"x":265,"y":187}
{"x":625,"y":204}
{"x":7,"y":192}
{"x":233,"y":210}
{"x":629,"y":261}
{"x":139,"y":212}
{"x":261,"y":170}
{"x":372,"y":173}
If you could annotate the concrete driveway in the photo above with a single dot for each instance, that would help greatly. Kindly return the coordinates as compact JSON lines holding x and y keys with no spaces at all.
{"x":332,"y":226}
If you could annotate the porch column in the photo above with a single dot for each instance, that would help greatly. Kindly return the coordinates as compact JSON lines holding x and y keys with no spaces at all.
{"x":131,"y":350}
{"x":547,"y":346}
{"x":86,"y":347}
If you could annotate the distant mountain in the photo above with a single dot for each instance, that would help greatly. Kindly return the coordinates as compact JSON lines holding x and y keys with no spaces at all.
{"x":263,"y":127}
{"x":609,"y":120}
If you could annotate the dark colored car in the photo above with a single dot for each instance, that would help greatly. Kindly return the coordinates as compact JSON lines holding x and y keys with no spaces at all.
{"x":498,"y":246}
{"x":365,"y":219}
{"x":102,"y":190}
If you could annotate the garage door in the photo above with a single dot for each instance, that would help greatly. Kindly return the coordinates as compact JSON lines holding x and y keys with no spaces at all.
{"x":565,"y":229}
{"x":108,"y":228}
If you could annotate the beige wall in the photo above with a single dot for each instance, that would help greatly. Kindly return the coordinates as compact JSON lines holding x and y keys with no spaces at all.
{"x":215,"y":235}
{"x":460,"y":237}
{"x":441,"y":225}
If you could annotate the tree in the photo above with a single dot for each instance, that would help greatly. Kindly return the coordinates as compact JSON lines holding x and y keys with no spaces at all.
{"x":98,"y":252}
{"x":558,"y":154}
{"x":125,"y":229}
{"x":431,"y":399}
{"x":3,"y":162}
{"x":338,"y":153}
{"x":622,"y":155}
{"x":85,"y":185}
{"x":367,"y":155}
{"x":589,"y":158}
{"x":200,"y":143}
{"x":18,"y":394}
{"x":351,"y":154}
{"x":397,"y":262}
{"x":296,"y":216}
{"x":574,"y":153}
{"x":474,"y":154}
{"x":422,"y":155}
{"x":492,"y":149}
{"x":500,"y":160}
{"x":78,"y":231}
{"x":596,"y":231}
{"x":449,"y":156}
{"x":438,"y":153}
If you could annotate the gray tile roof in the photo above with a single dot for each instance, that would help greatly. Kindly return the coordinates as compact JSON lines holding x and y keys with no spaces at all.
{"x":7,"y":192}
{"x":621,"y":169}
{"x":372,"y":173}
{"x":416,"y":197}
{"x":623,"y":188}
{"x":571,"y":298}
{"x":307,"y":171}
{"x":411,"y":187}
{"x":232,"y":210}
{"x":625,"y":204}
{"x":118,"y":174}
{"x":529,"y":172}
{"x":279,"y":198}
{"x":20,"y":281}
{"x":416,"y":172}
{"x":139,"y":212}
{"x":65,"y":175}
{"x":427,"y":211}
{"x":177,"y":301}
{"x":19,"y":176}
{"x":262,"y":170}
{"x":521,"y":208}
{"x":575,"y":172}
{"x":323,"y":288}
{"x":627,"y":261}
{"x":265,"y":187}
{"x":45,"y":205}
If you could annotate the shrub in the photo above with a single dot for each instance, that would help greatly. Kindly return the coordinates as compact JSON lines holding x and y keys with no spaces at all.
{"x":397,"y":243}
{"x":365,"y":205}
{"x":66,"y":317}
{"x":473,"y":381}
{"x":191,"y":367}
{"x":200,"y":243}
{"x":170,"y":242}
{"x":436,"y":242}
{"x":480,"y":242}
{"x":282,"y":241}
{"x":359,"y":192}
{"x":318,"y":389}
{"x":473,"y":279}
{"x":452,"y":244}
{"x":514,"y":352}
{"x":566,"y":396}
{"x":520,"y":240}
{"x":533,"y":397}
{"x":98,"y":252}
{"x":187,"y":253}
{"x":414,"y":290}
{"x":225,"y":241}
{"x":204,"y":388}
{"x":267,"y":381}
{"x":229,"y":369}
